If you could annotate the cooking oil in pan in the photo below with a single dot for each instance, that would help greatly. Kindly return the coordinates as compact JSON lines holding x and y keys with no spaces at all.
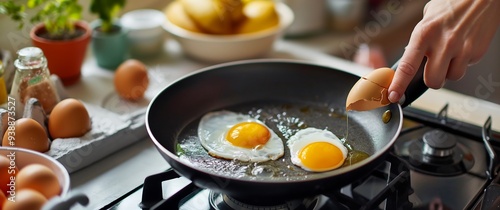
{"x":347,"y":125}
{"x":354,"y":155}
{"x":285,"y":119}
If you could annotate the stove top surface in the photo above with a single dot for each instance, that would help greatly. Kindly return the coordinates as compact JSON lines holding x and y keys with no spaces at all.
{"x":432,"y":165}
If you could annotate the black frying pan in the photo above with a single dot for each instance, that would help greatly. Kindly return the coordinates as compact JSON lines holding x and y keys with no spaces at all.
{"x":311,"y":95}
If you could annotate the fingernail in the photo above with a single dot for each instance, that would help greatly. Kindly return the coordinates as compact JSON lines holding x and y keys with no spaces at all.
{"x":394,"y":96}
{"x":442,"y":83}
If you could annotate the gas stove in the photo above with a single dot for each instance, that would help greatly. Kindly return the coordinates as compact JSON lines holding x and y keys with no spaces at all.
{"x":436,"y":163}
{"x":453,"y":164}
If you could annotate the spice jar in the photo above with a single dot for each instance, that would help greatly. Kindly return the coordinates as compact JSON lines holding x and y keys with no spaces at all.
{"x":32,"y":80}
{"x":3,"y":88}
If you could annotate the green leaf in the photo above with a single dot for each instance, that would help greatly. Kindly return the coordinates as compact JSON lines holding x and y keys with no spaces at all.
{"x":179,"y":150}
{"x":107,"y":11}
{"x":14,"y":11}
{"x":57,"y":15}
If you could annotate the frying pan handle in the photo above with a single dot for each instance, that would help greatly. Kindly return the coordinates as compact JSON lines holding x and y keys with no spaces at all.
{"x":416,"y":87}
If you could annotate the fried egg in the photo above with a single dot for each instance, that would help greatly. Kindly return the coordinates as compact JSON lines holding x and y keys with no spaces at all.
{"x":234,"y":136}
{"x":316,"y":150}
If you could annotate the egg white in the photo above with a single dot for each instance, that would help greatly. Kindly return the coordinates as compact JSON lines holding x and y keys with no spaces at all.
{"x":310,"y":135}
{"x":212,"y":131}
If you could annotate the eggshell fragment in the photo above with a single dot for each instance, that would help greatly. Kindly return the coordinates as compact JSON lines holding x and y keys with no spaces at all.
{"x":69,"y":118}
{"x":370,"y":92}
{"x":131,"y":80}
{"x":27,"y":133}
{"x":39,"y":178}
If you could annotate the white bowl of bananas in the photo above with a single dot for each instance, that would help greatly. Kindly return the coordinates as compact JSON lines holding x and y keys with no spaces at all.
{"x":218,"y":31}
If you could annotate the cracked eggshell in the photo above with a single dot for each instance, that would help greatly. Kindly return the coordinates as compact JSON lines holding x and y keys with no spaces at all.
{"x":370,"y":92}
{"x":381,"y":76}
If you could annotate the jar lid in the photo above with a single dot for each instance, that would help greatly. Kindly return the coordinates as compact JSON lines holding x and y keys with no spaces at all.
{"x":30,"y":53}
{"x":30,"y":57}
{"x":142,"y":19}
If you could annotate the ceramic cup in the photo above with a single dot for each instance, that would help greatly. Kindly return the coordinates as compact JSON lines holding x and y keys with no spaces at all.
{"x":345,"y":15}
{"x":146,"y":35}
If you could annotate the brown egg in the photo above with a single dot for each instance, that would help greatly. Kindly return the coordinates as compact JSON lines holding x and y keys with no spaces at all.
{"x":8,"y":172}
{"x":131,"y":80}
{"x":69,"y":118}
{"x":39,"y":178}
{"x":26,"y":199}
{"x":3,"y":198}
{"x":370,"y":91}
{"x":27,"y":133}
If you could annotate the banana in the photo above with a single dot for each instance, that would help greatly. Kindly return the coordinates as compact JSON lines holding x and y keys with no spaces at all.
{"x":176,"y":14}
{"x":234,"y":8}
{"x":214,"y":16}
{"x":260,"y":15}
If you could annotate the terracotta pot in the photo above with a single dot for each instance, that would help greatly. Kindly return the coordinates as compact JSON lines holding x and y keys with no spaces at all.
{"x":64,"y":57}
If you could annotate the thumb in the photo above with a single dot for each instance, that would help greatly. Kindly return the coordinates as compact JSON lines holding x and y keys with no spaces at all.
{"x":407,"y":68}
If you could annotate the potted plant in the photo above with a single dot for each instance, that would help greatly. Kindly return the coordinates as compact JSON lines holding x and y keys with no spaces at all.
{"x":109,"y":38}
{"x":58,"y":31}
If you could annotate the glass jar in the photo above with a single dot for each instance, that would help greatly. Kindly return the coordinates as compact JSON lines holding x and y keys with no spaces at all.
{"x":32,"y":80}
{"x":3,"y":88}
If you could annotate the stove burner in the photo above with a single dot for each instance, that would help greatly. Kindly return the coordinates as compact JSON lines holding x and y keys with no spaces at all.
{"x":438,"y":143}
{"x":438,"y":153}
{"x":220,"y":201}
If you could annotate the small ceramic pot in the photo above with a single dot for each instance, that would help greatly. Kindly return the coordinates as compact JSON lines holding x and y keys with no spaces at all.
{"x":109,"y":49}
{"x":146,"y":35}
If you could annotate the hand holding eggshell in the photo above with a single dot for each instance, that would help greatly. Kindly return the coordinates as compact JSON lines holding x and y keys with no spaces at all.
{"x":370,"y":92}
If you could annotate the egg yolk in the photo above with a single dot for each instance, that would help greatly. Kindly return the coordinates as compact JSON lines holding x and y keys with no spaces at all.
{"x":248,"y":135}
{"x":321,"y":156}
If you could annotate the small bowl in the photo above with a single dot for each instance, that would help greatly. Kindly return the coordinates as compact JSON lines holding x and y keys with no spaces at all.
{"x":24,"y":157}
{"x":145,"y":33}
{"x":225,"y":48}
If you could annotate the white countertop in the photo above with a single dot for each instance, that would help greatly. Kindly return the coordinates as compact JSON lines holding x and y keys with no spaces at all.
{"x":123,"y":171}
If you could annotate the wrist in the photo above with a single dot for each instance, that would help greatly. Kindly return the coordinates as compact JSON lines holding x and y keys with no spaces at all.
{"x":492,"y":6}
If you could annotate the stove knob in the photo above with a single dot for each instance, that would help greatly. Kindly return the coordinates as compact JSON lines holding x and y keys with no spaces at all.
{"x":438,"y":143}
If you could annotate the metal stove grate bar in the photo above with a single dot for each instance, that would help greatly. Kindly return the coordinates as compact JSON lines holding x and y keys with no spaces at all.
{"x":395,"y":194}
{"x":152,"y":194}
{"x":449,"y":125}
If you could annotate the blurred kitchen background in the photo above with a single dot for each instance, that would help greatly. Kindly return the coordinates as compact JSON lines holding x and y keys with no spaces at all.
{"x":339,"y":28}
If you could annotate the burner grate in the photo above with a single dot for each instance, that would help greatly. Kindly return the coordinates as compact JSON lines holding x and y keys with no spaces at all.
{"x":395,"y":194}
{"x":152,"y":194}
